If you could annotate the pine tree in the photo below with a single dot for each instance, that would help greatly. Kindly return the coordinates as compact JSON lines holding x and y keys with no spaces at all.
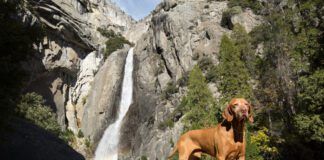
{"x":199,"y":103}
{"x":233,"y":77}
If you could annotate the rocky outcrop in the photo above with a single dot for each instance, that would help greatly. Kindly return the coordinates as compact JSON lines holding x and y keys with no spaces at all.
{"x":173,"y":44}
{"x":247,"y":19}
{"x":101,"y":106}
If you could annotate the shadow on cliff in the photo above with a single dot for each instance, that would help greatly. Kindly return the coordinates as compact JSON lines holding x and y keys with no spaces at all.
{"x":22,"y":140}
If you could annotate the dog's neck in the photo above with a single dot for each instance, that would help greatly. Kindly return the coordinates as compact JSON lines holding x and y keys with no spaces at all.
{"x":236,"y":127}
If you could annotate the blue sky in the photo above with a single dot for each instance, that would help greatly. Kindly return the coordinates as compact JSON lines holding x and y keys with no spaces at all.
{"x":138,"y":9}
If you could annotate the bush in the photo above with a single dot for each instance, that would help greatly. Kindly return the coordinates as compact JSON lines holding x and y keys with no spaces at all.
{"x":68,"y":136}
{"x":106,"y":33}
{"x":183,"y":81}
{"x":87,"y":142}
{"x":32,"y":108}
{"x":144,"y":158}
{"x":255,"y":5}
{"x":166,"y":124}
{"x":80,"y":134}
{"x":205,"y":63}
{"x":171,"y":89}
{"x":262,"y":141}
{"x":114,"y":44}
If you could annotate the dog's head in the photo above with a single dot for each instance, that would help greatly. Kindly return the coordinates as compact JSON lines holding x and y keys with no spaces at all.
{"x":240,"y":109}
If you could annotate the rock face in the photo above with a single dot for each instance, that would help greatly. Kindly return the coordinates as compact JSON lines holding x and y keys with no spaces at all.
{"x":169,"y":49}
{"x":102,"y":103}
{"x":71,"y":51}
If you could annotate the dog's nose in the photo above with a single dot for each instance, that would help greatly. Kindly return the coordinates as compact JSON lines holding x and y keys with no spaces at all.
{"x":244,"y":110}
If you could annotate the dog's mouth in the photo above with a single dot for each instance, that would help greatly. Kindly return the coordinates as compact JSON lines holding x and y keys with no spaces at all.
{"x":243,"y":115}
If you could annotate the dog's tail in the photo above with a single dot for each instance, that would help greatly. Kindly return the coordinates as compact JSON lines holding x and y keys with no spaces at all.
{"x":174,"y":151}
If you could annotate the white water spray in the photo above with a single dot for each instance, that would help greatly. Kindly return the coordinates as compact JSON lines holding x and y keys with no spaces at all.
{"x":108,"y":145}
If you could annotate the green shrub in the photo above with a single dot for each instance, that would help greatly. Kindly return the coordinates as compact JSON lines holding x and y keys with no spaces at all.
{"x":255,"y":5}
{"x":87,"y":142}
{"x":166,"y":124}
{"x":106,"y":33}
{"x":211,"y":75}
{"x":68,"y":136}
{"x":143,"y":158}
{"x":183,"y":81}
{"x":170,"y":90}
{"x":80,"y":134}
{"x":261,"y":142}
{"x":114,"y":44}
{"x":205,"y":63}
{"x":32,"y":108}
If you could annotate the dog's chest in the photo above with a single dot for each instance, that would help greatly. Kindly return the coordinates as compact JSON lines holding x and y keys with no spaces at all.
{"x":235,"y":151}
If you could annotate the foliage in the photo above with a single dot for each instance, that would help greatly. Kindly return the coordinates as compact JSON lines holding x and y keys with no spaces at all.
{"x":87,"y":142}
{"x":242,"y":41}
{"x":143,"y":158}
{"x":262,"y":141}
{"x":170,"y":90}
{"x":33,"y":109}
{"x":106,"y":33}
{"x":183,"y":81}
{"x":309,"y":122}
{"x":168,"y":123}
{"x":233,"y":77}
{"x":199,"y":104}
{"x":205,"y":63}
{"x":80,"y":134}
{"x":115,"y":43}
{"x":255,"y":5}
{"x":290,"y":79}
{"x":252,"y":150}
{"x":67,"y":136}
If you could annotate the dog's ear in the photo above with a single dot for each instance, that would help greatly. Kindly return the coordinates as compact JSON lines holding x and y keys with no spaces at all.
{"x":251,"y":119}
{"x":227,"y":114}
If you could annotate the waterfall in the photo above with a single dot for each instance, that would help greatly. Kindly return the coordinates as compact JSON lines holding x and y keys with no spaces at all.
{"x":108,"y":145}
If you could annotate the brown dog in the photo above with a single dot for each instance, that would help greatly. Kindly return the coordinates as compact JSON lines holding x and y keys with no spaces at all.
{"x":226,"y":141}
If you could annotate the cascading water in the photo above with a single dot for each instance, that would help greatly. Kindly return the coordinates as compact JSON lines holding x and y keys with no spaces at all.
{"x":108,"y":145}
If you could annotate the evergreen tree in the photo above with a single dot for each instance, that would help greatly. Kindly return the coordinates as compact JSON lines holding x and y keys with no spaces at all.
{"x":199,"y":102}
{"x":233,"y":77}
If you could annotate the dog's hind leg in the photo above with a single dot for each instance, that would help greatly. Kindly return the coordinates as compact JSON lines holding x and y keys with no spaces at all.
{"x":196,"y":155}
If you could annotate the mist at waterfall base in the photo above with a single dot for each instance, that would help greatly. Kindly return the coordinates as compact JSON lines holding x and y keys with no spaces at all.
{"x":108,"y":145}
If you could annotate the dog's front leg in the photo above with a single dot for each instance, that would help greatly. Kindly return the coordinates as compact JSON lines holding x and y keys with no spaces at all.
{"x":220,"y":157}
{"x":242,"y":157}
